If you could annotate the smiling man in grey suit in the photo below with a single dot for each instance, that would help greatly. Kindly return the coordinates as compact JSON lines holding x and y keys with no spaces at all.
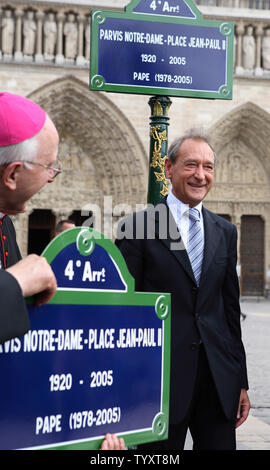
{"x":195,"y":260}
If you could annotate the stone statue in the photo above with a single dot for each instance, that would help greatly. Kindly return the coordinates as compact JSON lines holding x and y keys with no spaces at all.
{"x":71,"y":33}
{"x":7,"y":33}
{"x":50,"y":32}
{"x":266,"y":50}
{"x":249,"y":49}
{"x":29,"y":33}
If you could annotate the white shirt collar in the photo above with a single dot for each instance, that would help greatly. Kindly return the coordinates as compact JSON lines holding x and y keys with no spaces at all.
{"x":172,"y":200}
{"x":180,"y":214}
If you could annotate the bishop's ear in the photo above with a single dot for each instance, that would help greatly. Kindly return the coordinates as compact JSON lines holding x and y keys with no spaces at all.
{"x":11,"y":174}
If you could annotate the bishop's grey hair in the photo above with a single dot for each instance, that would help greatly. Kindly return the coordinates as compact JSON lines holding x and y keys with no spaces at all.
{"x":26,"y":150}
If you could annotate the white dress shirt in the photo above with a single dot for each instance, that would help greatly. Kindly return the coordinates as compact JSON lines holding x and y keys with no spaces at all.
{"x":180,"y":214}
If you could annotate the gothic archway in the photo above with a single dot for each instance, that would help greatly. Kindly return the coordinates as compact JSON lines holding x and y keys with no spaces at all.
{"x":242,"y":179}
{"x":101,"y":153}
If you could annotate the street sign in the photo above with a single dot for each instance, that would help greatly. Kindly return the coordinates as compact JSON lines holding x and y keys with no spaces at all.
{"x":161,"y":48}
{"x":96,"y":359}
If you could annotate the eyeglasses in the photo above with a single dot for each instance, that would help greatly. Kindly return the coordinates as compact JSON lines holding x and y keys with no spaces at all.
{"x":53,"y":171}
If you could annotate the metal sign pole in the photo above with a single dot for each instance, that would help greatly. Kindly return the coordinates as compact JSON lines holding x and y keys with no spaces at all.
{"x":161,"y":48}
{"x":159,"y":123}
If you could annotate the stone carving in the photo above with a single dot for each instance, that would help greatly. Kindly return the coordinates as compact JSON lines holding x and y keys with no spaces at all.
{"x":249,"y":49}
{"x":266,"y":50}
{"x":235,"y":192}
{"x":50,"y":32}
{"x":7,"y":33}
{"x":29,"y":34}
{"x":71,"y":34}
{"x":238,"y":168}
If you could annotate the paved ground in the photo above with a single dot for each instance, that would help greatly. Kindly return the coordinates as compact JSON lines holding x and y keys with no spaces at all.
{"x":254,"y":434}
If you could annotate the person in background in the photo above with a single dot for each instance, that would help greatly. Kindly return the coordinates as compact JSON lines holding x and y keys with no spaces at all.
{"x":63,"y":225}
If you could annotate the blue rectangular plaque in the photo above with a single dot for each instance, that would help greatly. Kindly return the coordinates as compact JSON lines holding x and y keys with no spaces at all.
{"x":155,"y":48}
{"x":96,"y":358}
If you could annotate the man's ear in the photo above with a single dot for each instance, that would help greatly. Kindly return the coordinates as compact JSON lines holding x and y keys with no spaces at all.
{"x":11,"y":174}
{"x":168,"y":168}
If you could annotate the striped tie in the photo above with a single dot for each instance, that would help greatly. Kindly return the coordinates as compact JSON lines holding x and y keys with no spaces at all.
{"x":195,"y":243}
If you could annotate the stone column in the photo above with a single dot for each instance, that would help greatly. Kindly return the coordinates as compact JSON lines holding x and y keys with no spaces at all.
{"x":60,"y":59}
{"x":39,"y":55}
{"x":87,"y":34}
{"x":18,"y":56}
{"x":236,"y":220}
{"x":258,"y":34}
{"x":266,"y":49}
{"x":244,"y":3}
{"x":240,"y":32}
{"x":80,"y":60}
{"x":265,"y":213}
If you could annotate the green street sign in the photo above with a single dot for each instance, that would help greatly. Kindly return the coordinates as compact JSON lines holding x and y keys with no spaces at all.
{"x":161,"y":48}
{"x":96,"y":359}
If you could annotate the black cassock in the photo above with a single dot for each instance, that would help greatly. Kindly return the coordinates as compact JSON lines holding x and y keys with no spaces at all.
{"x":14,"y":319}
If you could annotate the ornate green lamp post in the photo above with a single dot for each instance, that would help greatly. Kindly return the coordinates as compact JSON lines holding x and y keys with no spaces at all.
{"x":159,"y":123}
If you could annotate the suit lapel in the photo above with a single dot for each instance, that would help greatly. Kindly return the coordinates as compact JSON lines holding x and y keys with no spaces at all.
{"x":171,"y":237}
{"x":212,"y":235}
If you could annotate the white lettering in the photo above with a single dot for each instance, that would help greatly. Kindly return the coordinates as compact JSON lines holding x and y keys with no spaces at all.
{"x":48,"y":424}
{"x":204,"y":43}
{"x":132,"y":338}
{"x":141,"y":76}
{"x":170,"y":9}
{"x":49,"y":340}
{"x":69,"y":340}
{"x":102,"y":339}
{"x":11,"y":346}
{"x":176,"y":40}
{"x":133,"y":36}
{"x":111,"y":35}
{"x":91,"y":275}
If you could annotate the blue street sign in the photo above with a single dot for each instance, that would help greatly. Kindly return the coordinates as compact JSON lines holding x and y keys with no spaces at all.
{"x":161,"y":48}
{"x":95,"y":360}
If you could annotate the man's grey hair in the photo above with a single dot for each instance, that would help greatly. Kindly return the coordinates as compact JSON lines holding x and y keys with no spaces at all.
{"x":195,"y":134}
{"x":24,"y":151}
